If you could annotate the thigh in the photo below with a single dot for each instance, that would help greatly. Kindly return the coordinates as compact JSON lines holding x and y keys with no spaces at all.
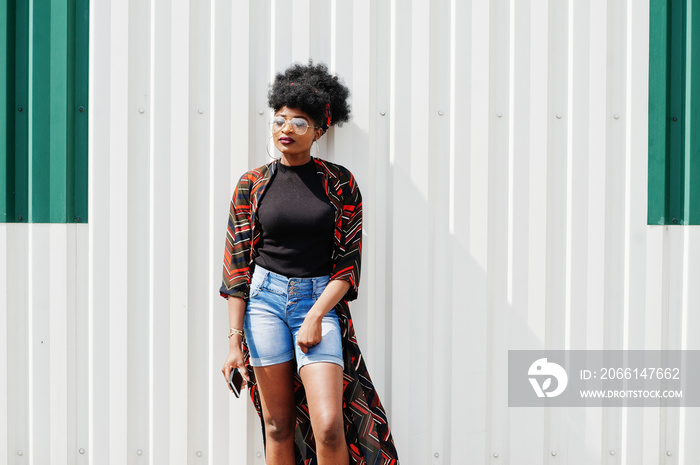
{"x":268,"y":337}
{"x":323,"y":383}
{"x":276,"y":388}
{"x":330,"y":349}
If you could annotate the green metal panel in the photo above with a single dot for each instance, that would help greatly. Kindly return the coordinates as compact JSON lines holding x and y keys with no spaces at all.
{"x":692,"y":153}
{"x":22,"y":111}
{"x":43,"y":172}
{"x":674,"y":163}
{"x":40,"y":127}
{"x":13,"y":131}
{"x":6,"y":114}
{"x":676,"y":109}
{"x":79,"y":107}
{"x":658,"y":70}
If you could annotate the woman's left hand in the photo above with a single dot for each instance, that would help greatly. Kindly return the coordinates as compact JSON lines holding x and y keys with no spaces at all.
{"x":309,"y":333}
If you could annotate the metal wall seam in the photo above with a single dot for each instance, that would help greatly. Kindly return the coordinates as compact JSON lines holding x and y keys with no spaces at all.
{"x":672,"y":326}
{"x":18,"y":367}
{"x":616,"y":244}
{"x":440,"y":250}
{"x":162,"y":292}
{"x":404,"y":201}
{"x":653,"y":323}
{"x":498,"y":223}
{"x":222,"y":68}
{"x":177,"y":209}
{"x":596,"y":190}
{"x":38,"y":342}
{"x":61,"y":267}
{"x":636,"y":121}
{"x":244,"y":436}
{"x":79,"y":337}
{"x":470,"y":385}
{"x":556,"y":278}
{"x":378,"y":334}
{"x":522,"y":158}
{"x":98,"y":240}
{"x":580,"y":177}
{"x":457,"y":115}
{"x":690,"y":417}
{"x":5,"y":330}
{"x":200,"y":285}
{"x":117,"y":241}
{"x":412,"y":193}
{"x":138,"y":219}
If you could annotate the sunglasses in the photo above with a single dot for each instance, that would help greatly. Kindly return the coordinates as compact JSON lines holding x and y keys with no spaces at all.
{"x":298,"y":125}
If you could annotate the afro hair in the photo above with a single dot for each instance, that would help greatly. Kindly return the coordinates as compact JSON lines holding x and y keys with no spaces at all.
{"x":312,"y":89}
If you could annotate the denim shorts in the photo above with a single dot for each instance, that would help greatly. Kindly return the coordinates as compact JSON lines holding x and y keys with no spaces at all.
{"x":277,"y":306}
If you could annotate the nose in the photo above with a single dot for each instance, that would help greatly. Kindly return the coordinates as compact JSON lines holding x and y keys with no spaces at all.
{"x":287,"y":127}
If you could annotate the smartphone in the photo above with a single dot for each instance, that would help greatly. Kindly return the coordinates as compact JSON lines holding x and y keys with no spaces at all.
{"x":235,"y":382}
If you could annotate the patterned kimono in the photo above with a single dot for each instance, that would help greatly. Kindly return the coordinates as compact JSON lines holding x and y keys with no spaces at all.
{"x":366,"y":428}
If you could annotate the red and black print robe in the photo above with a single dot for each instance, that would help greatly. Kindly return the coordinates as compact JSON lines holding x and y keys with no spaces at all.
{"x":366,"y":428}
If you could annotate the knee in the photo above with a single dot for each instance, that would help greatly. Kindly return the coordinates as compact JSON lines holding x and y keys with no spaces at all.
{"x":279,"y":431}
{"x":329,"y":431}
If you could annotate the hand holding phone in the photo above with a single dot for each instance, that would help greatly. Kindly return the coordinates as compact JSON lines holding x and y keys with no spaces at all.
{"x":236,"y":382}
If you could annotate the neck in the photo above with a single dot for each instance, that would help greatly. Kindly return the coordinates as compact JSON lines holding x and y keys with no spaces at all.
{"x":296,"y":160}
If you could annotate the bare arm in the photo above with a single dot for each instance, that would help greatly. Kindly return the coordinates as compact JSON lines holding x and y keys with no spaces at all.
{"x":310,"y":331}
{"x":236,"y":311}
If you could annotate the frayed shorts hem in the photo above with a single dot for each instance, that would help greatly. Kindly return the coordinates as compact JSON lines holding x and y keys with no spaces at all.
{"x":321,"y":358}
{"x":260,"y":363}
{"x":264,"y":362}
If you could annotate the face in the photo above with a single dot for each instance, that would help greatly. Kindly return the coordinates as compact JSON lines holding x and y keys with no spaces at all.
{"x":295,"y":148}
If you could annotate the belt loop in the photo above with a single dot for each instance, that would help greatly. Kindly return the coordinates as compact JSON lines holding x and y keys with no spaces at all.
{"x":265,"y":277}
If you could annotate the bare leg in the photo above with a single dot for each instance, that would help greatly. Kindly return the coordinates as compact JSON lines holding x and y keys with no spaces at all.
{"x":277,"y":398}
{"x":323,"y":383}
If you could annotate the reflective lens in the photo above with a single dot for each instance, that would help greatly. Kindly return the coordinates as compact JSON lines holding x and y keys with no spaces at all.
{"x":298,"y":125}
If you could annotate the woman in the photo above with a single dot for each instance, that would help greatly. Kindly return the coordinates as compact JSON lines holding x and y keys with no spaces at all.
{"x":292,"y":263}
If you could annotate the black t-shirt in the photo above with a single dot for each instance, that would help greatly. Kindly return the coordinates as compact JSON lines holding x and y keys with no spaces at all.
{"x":297,"y":223}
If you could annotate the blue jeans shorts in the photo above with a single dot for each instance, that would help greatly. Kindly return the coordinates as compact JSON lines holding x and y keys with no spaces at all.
{"x":276,"y":308}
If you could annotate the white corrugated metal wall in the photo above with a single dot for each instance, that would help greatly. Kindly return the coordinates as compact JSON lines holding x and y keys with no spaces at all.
{"x":501,"y":150}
